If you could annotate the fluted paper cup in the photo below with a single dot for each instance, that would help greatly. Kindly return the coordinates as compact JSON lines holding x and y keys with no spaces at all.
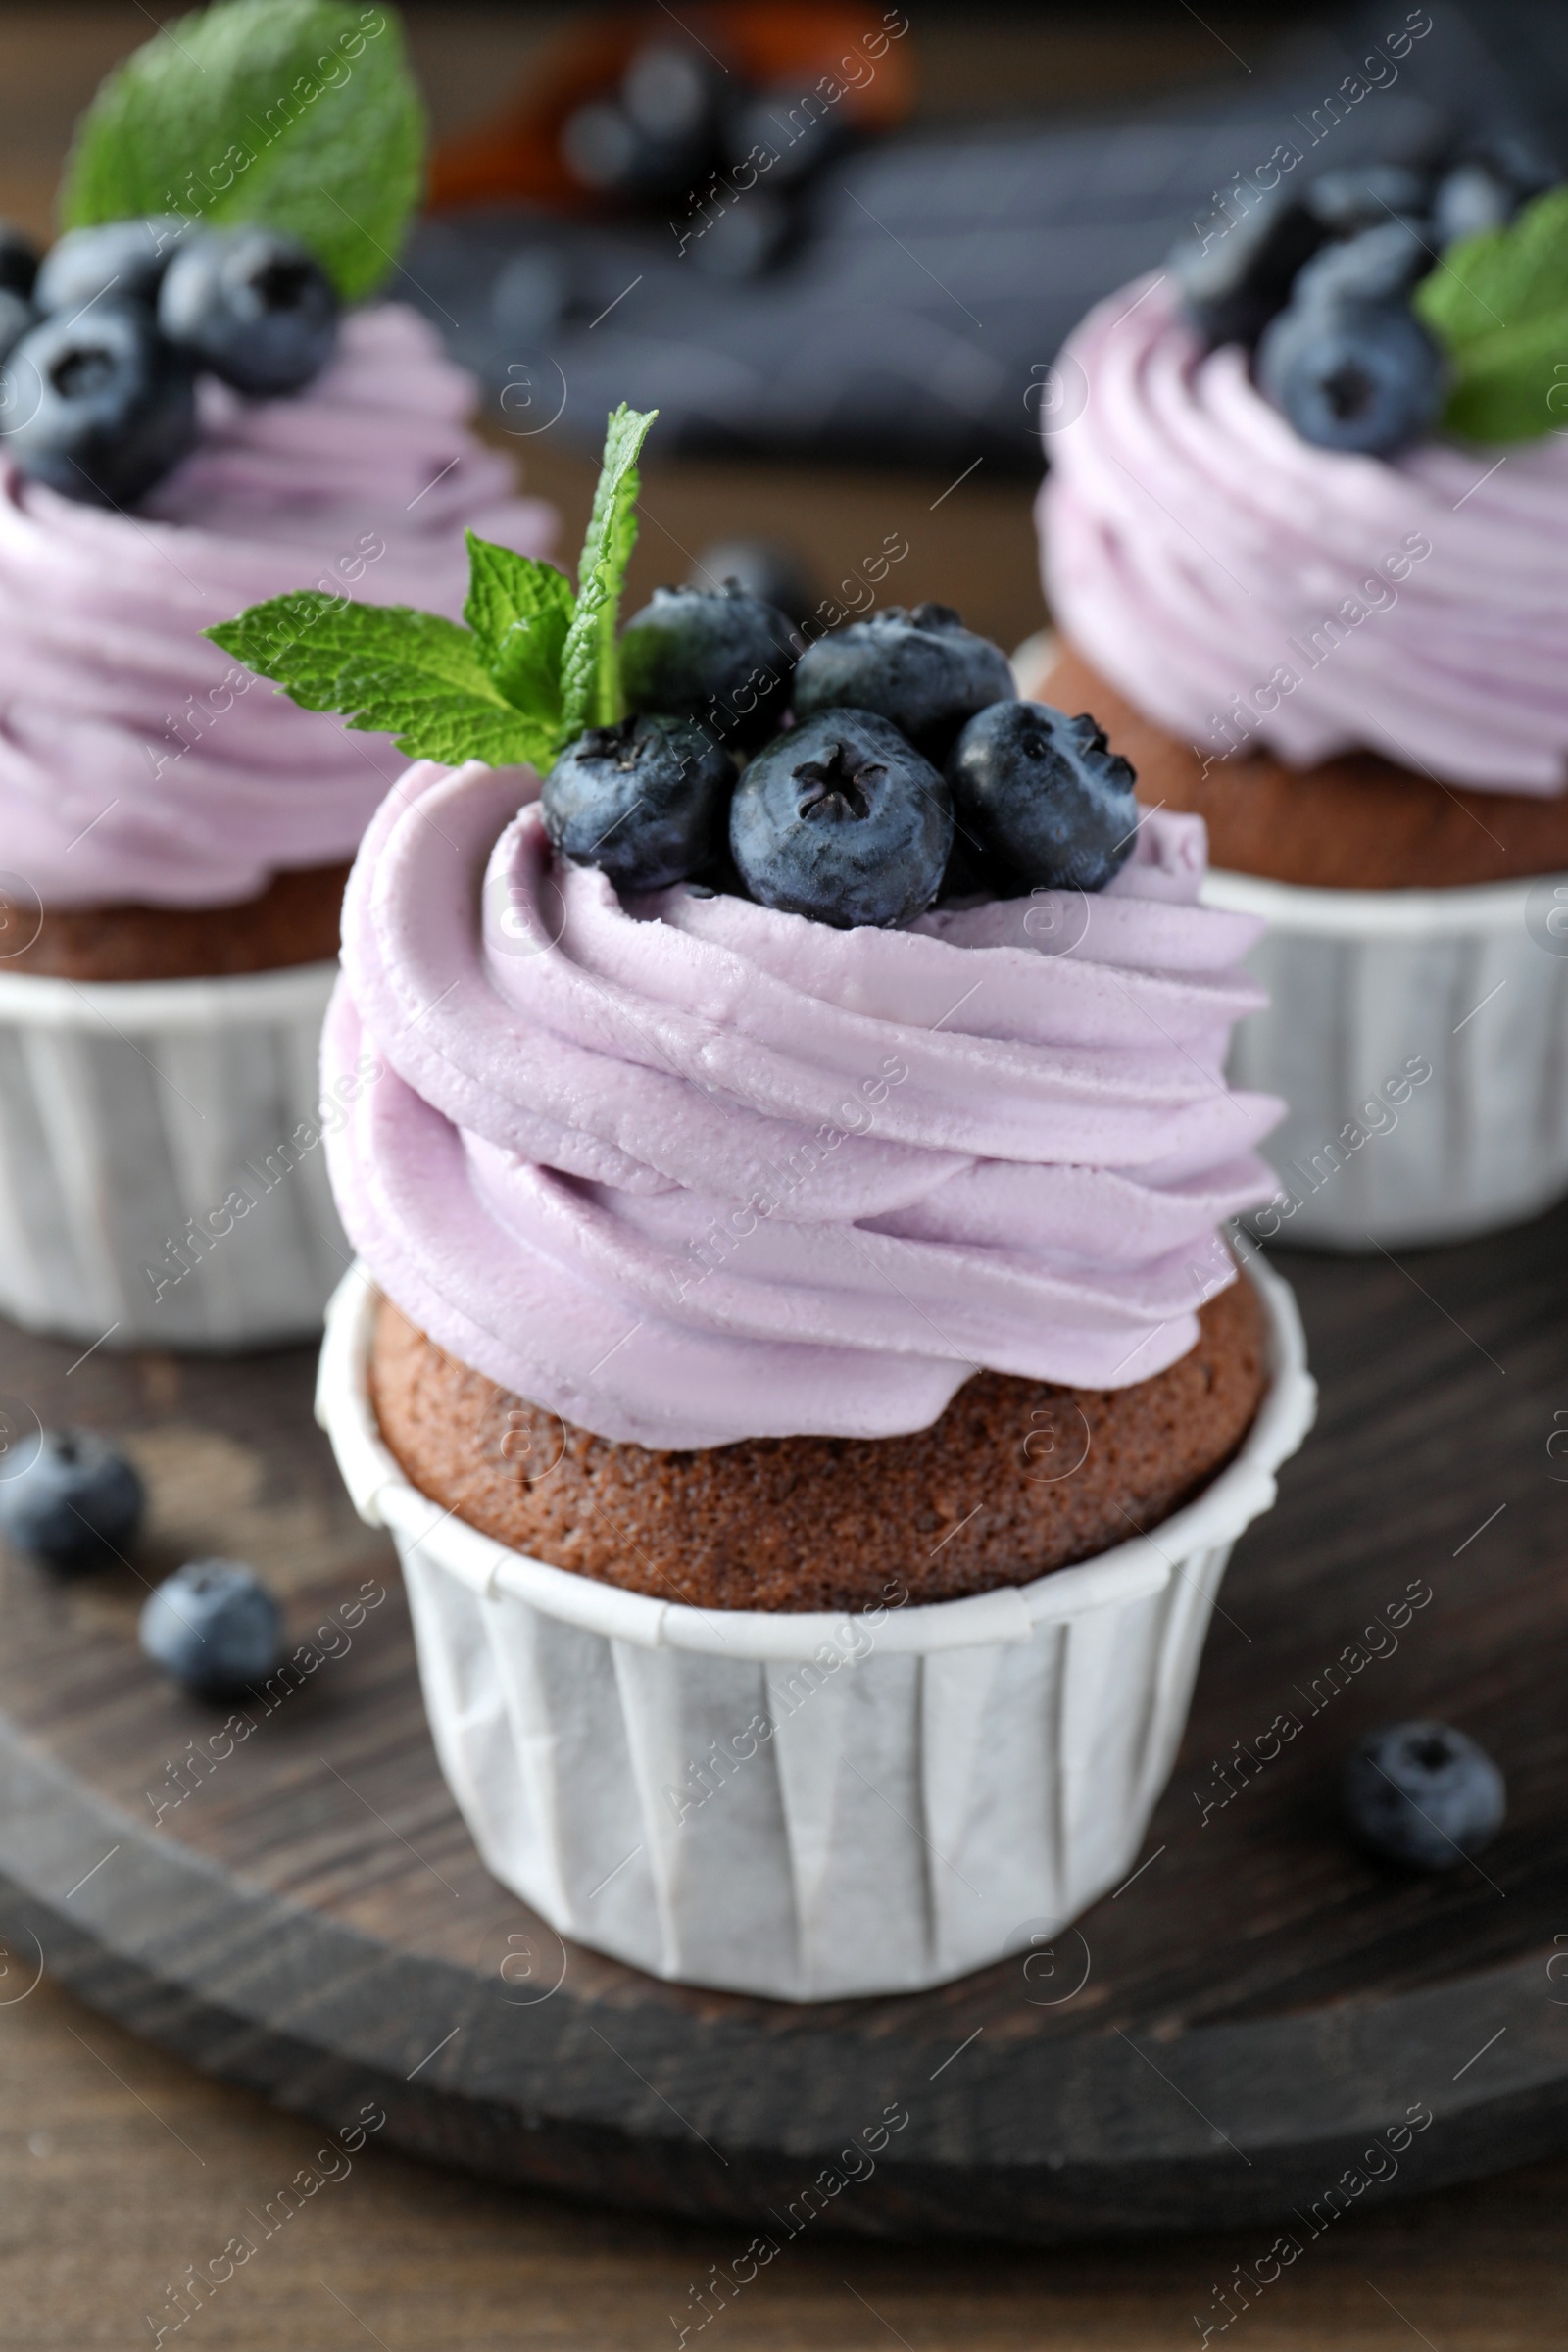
{"x":162,"y":1177}
{"x":1420,"y":1037}
{"x":807,"y":1806}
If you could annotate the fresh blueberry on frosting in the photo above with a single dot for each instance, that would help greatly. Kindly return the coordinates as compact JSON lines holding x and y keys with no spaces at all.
{"x":924,"y":670}
{"x":251,"y":307}
{"x":645,"y":800}
{"x":1363,"y":377}
{"x":1045,"y":795}
{"x":1383,"y":303}
{"x":713,"y":653}
{"x":126,"y":258}
{"x":103,"y":406}
{"x":842,"y":819}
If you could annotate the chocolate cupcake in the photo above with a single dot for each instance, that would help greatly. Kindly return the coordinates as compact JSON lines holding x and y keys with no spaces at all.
{"x":794,"y":1362}
{"x":787,"y":1236}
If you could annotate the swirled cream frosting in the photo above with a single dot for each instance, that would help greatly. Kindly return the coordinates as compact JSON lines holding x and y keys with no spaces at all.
{"x":687,"y":1171}
{"x":1241,"y":586}
{"x":137,"y":762}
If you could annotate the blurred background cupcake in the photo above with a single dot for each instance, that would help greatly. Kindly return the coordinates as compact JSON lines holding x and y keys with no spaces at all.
{"x":1303,"y":534}
{"x":203,"y":408}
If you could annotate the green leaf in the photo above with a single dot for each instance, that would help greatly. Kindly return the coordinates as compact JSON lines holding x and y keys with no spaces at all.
{"x":519,"y":610}
{"x":590,"y":674}
{"x":1500,"y":304}
{"x":302,"y":114}
{"x":390,"y":671}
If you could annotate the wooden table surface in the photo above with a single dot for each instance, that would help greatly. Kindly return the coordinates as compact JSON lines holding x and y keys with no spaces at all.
{"x":119,"y":2166}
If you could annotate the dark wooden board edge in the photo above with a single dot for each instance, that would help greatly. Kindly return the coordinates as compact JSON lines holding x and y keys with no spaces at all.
{"x":1032,"y":2142}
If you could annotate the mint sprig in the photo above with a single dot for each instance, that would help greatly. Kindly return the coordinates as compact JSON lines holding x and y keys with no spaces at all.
{"x":533,"y":666}
{"x":301,"y":114}
{"x":1500,"y":304}
{"x":590,"y":670}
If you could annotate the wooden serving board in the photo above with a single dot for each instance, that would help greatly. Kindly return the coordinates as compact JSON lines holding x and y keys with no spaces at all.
{"x":297,"y":1906}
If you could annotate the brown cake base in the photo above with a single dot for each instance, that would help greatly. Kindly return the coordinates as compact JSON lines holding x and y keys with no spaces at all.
{"x":295,"y":920}
{"x":830,"y":1523}
{"x":1356,"y":823}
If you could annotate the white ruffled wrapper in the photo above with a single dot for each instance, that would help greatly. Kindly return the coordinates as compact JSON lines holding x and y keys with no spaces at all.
{"x":1370,"y":989}
{"x":806,"y":1807}
{"x":157,"y":1185}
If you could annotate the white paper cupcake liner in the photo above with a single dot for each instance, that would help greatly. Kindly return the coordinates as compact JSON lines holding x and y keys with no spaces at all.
{"x":157,"y":1185}
{"x":1369,"y":989}
{"x":807,"y":1806}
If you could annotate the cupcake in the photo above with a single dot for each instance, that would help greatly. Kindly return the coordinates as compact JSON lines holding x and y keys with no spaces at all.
{"x":793,"y":1342}
{"x":1302,"y":533}
{"x":190,"y":427}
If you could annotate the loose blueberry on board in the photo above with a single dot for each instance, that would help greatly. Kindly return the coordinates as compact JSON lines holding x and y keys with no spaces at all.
{"x":921,"y":670}
{"x":214,"y":1626}
{"x":252,"y":307}
{"x":1352,"y":376}
{"x":19,"y":261}
{"x":1045,"y":795}
{"x":1423,"y":1794}
{"x":713,"y":654}
{"x":1377,"y":266}
{"x":126,"y":258}
{"x":645,"y":801}
{"x":73,"y":1503}
{"x":1243,"y":275}
{"x":103,"y":407}
{"x":842,"y":820}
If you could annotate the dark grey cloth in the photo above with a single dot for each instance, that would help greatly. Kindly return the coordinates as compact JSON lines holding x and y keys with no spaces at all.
{"x":933,"y":278}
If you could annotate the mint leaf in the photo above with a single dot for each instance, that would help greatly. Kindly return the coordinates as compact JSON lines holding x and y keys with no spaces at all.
{"x":390,"y":671}
{"x":1500,"y":304}
{"x":519,"y":610}
{"x":590,"y":674}
{"x":302,"y":114}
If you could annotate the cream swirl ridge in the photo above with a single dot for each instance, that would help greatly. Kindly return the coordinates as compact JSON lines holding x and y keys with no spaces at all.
{"x":1235,"y":582}
{"x":688,"y":1170}
{"x":136,"y":762}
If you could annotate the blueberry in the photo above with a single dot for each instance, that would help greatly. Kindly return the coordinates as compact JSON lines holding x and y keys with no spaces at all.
{"x":1362,"y":197}
{"x":251,"y":307}
{"x":924,"y":670}
{"x":215,"y":1626}
{"x":842,"y":819}
{"x":713,"y":653}
{"x":102,"y":406}
{"x":1242,"y":276}
{"x":1352,"y":376}
{"x":19,"y":261}
{"x":1043,"y":796}
{"x":123,"y":258}
{"x":645,"y":801}
{"x":72,"y":1501}
{"x":1377,"y":266}
{"x":1423,"y":1794}
{"x":651,"y":141}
